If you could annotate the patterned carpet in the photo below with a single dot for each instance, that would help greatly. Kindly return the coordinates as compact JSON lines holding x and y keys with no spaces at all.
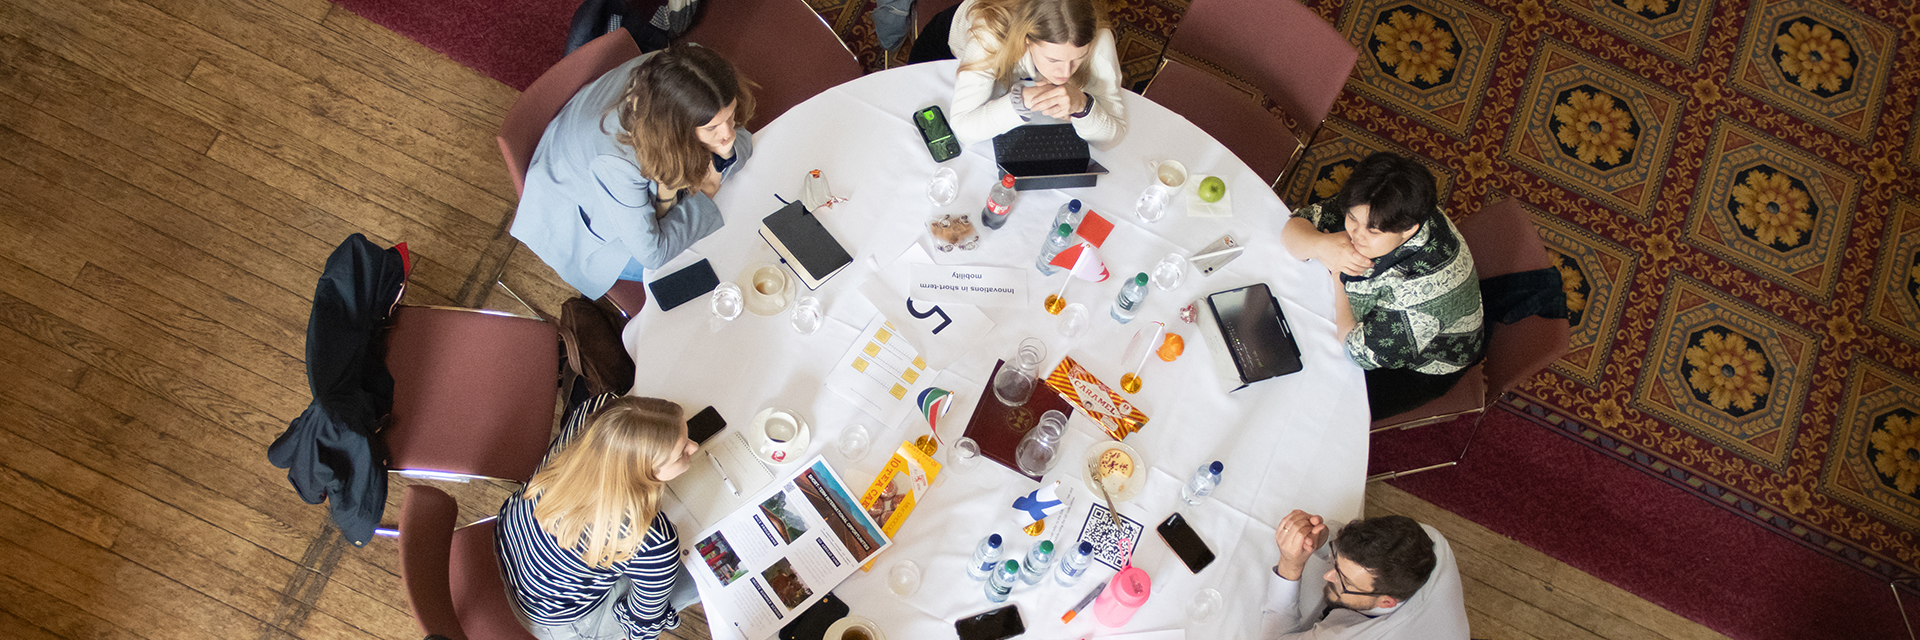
{"x":1726,"y":191}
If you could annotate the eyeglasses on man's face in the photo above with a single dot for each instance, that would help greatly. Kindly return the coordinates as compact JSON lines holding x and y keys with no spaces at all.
{"x":1340,"y":579}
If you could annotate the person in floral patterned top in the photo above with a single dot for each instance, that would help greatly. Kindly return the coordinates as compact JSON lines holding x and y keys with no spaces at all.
{"x":1408,"y":300}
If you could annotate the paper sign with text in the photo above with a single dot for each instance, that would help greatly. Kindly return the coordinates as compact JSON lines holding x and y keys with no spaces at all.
{"x":979,"y":286}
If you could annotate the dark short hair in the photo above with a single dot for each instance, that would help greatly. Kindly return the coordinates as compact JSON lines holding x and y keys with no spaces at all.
{"x":1398,"y":190}
{"x":1394,"y":549}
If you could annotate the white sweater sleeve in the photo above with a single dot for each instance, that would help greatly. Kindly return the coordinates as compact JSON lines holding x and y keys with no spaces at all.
{"x":977,"y":115}
{"x":1107,"y":123}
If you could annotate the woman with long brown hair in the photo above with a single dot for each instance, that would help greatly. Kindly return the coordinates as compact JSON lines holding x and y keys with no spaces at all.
{"x":624,"y":177}
{"x":1022,"y":59}
{"x":586,"y":551}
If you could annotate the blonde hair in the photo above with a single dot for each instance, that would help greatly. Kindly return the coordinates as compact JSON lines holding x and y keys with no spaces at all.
{"x":666,"y":100}
{"x":1069,"y":22}
{"x":600,"y":493}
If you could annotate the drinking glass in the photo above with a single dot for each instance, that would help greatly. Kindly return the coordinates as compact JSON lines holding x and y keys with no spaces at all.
{"x":944,"y":187}
{"x":904,"y":578}
{"x":1073,"y":320}
{"x":1168,"y":177}
{"x":854,"y":442}
{"x":1014,"y":383}
{"x":726,"y":305}
{"x":965,"y":454}
{"x":1169,"y":272}
{"x":1153,"y":203}
{"x":806,"y":315}
{"x":1205,"y":606}
{"x":1036,"y":453}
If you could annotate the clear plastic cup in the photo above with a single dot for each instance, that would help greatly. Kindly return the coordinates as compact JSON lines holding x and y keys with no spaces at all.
{"x":944,"y":187}
{"x":965,"y":454}
{"x":806,"y":315}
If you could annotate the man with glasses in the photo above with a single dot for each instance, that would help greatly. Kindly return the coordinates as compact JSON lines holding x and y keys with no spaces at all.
{"x":1380,"y":578}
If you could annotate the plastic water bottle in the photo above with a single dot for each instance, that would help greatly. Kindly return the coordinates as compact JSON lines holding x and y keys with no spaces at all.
{"x":1074,"y":565}
{"x":984,"y":557}
{"x":999,"y":203}
{"x":1001,"y":584}
{"x":1204,"y":480}
{"x":1056,"y":243}
{"x":1039,"y":560}
{"x":1127,"y":304}
{"x":1069,"y":215}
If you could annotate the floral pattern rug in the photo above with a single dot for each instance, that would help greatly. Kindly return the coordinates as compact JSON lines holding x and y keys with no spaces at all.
{"x":1727,"y":190}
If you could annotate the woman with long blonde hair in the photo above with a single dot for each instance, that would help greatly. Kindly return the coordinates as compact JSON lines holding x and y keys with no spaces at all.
{"x":624,"y":177}
{"x":584,"y":547}
{"x":1024,"y":59}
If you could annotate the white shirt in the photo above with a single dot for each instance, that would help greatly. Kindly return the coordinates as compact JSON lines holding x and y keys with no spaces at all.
{"x":982,"y":108}
{"x":1438,"y":611}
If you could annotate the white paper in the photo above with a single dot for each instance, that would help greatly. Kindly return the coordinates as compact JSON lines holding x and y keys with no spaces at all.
{"x":765,"y":563}
{"x":944,"y":331}
{"x":1197,"y":208}
{"x":974,"y":285}
{"x":700,"y":488}
{"x":880,"y":373}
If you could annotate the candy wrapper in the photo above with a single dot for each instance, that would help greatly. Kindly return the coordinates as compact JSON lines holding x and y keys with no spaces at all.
{"x":1105,"y":407}
{"x":900,"y":485}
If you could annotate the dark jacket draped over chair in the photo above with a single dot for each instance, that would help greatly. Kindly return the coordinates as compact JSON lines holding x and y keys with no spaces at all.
{"x":332,"y":452}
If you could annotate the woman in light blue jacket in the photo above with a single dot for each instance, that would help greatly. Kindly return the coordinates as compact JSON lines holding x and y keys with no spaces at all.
{"x":624,"y":177}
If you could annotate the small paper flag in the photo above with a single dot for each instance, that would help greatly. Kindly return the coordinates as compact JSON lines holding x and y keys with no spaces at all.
{"x":1082,"y":261}
{"x":1036,"y":506}
{"x":935,"y":402}
{"x":1094,"y":229}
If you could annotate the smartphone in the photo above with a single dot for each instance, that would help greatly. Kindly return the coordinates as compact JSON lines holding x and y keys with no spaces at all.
{"x":677,"y":288}
{"x":935,"y":132}
{"x":703,"y":425}
{"x":1003,"y":622}
{"x":1185,"y":542}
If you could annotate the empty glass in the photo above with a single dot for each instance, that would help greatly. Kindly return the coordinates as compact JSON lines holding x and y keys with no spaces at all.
{"x":944,"y":187}
{"x":965,"y":454}
{"x":854,"y":442}
{"x":1152,"y":205}
{"x":806,"y":315}
{"x":904,"y":578}
{"x":726,"y":305}
{"x":1205,"y":606}
{"x":1073,"y":320}
{"x":1014,"y":383}
{"x":1169,"y":272}
{"x":1037,"y":451}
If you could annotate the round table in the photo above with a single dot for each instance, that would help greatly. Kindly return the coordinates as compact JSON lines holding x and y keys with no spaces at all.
{"x":1298,"y":441}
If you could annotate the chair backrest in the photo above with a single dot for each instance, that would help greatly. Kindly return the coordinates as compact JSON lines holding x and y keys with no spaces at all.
{"x":453,"y":577}
{"x":781,"y":45}
{"x":426,"y":537}
{"x":527,"y":120}
{"x":473,"y":391}
{"x":923,"y":11}
{"x":1503,"y":240}
{"x":1279,"y":46}
{"x":1229,"y":114}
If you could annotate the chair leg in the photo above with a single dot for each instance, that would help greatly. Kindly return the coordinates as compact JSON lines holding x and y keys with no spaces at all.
{"x":516,"y":298}
{"x":1471,"y":436}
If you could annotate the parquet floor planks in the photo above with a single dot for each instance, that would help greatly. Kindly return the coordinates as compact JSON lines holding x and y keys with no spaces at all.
{"x":173,"y":174}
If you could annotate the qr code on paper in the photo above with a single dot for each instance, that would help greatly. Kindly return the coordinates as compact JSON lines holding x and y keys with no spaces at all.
{"x":1112,"y":545}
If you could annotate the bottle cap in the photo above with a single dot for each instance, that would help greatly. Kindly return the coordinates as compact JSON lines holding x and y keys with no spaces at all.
{"x":1215,"y":467}
{"x":1073,"y":205}
{"x":993,"y":540}
{"x":1140,"y":279}
{"x":1066,"y":230}
{"x":1046,"y":546}
{"x":1012,"y":566}
{"x":1086,"y":548}
{"x":1007,"y":181}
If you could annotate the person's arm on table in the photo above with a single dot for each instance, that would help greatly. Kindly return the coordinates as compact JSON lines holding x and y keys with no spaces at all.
{"x":1298,"y":536}
{"x":1304,"y":237}
{"x":975,"y":114}
{"x":1343,"y":322}
{"x":1105,"y":121}
{"x":626,"y":213}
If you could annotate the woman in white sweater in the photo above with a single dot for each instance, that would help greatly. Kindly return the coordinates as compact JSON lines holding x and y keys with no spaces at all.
{"x":1061,"y":64}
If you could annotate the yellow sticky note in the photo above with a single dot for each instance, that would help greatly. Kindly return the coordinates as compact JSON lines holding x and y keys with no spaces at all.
{"x":919,"y":362}
{"x":910,"y":375}
{"x":859,"y":365}
{"x":899,"y":392}
{"x":872,"y":349}
{"x":883,"y":335}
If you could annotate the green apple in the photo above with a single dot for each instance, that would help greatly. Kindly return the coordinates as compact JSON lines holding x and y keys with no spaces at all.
{"x":1212,"y":188}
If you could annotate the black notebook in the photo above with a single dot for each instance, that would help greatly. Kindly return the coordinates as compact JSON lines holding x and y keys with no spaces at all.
{"x":1252,"y":333}
{"x":804,"y":244}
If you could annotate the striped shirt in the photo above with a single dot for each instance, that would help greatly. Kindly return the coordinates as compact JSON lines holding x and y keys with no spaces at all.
{"x":1419,"y":307}
{"x":555,"y":587}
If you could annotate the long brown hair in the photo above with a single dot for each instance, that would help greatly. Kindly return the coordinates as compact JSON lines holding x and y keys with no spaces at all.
{"x":667,"y":99}
{"x":601,"y":492}
{"x":1015,"y":23}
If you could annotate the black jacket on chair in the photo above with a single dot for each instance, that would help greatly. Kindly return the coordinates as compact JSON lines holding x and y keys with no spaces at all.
{"x":331,"y":452}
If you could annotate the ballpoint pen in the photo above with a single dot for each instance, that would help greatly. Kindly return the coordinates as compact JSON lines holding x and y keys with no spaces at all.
{"x":723,"y":473}
{"x":1095,"y":593}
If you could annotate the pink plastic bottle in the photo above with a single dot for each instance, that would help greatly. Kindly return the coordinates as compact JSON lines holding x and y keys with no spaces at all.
{"x":1123,"y":596}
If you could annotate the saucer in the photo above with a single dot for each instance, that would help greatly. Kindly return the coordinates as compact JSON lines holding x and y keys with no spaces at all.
{"x":841,"y":626}
{"x":763,"y":305}
{"x":1133,"y":484}
{"x":763,"y":446}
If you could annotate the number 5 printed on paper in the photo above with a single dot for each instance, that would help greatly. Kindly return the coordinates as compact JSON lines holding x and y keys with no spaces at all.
{"x":936,"y":310}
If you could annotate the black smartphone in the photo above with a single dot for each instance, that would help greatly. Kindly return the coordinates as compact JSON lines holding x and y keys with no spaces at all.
{"x":1185,"y":542}
{"x":703,"y":425}
{"x":935,"y":132}
{"x":813,"y":623}
{"x":677,"y":288}
{"x":1003,"y":622}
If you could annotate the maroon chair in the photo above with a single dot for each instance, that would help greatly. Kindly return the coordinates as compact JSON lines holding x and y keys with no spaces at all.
{"x":527,"y":120}
{"x":1503,"y":240}
{"x":781,"y":45}
{"x":1280,"y":48}
{"x":453,"y":576}
{"x":1230,"y":114}
{"x":473,"y":393}
{"x":923,"y":11}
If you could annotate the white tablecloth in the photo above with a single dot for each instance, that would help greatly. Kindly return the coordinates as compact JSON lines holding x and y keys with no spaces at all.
{"x":1294,"y":442}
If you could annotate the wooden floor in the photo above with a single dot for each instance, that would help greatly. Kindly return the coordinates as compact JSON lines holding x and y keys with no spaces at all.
{"x":173,"y":173}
